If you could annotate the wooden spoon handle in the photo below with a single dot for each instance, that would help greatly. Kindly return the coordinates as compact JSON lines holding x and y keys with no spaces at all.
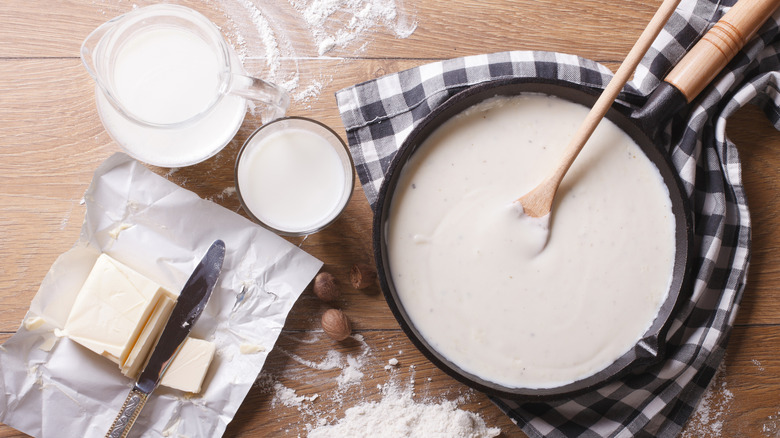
{"x":602,"y":105}
{"x":719,"y":45}
{"x":538,"y":202}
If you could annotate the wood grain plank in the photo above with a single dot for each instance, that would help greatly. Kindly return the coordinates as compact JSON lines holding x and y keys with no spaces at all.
{"x":34,"y":28}
{"x":50,"y":144}
{"x":756,"y":140}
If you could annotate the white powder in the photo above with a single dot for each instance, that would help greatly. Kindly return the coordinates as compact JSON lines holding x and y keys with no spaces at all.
{"x":350,"y":365}
{"x":399,"y":415}
{"x":311,"y":92}
{"x":254,"y":29}
{"x":391,"y":363}
{"x":351,"y":373}
{"x":266,"y":33}
{"x":64,"y":222}
{"x":771,"y":428}
{"x":289,"y":397}
{"x":712,"y":408}
{"x":355,"y":18}
{"x":332,"y":360}
{"x":252,"y":32}
{"x":229,"y":191}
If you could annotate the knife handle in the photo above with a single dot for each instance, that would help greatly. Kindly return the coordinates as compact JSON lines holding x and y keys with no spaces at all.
{"x":134,"y":402}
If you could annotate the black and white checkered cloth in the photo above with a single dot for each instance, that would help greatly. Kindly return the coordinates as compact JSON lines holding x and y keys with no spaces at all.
{"x":379,"y":114}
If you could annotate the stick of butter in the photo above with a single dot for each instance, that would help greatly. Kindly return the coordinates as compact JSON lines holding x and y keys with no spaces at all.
{"x":148,"y":337}
{"x":120,"y":314}
{"x":112,"y":308}
{"x":190,"y":365}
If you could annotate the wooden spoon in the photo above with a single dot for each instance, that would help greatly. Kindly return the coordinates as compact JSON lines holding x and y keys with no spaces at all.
{"x":538,"y":202}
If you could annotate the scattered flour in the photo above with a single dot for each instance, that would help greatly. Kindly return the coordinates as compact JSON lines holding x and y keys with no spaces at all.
{"x":712,"y":409}
{"x":351,"y":373}
{"x":311,"y":92}
{"x":350,"y":365}
{"x":771,"y":427}
{"x":399,"y":415}
{"x":288,"y":396}
{"x":391,"y":363}
{"x":229,"y":191}
{"x":356,"y":17}
{"x":266,"y":34}
{"x":252,"y":29}
{"x":399,"y":412}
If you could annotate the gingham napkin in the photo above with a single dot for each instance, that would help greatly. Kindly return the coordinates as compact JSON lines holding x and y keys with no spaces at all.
{"x":379,"y":114}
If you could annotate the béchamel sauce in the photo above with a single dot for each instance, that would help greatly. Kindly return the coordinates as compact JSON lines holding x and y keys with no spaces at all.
{"x":475,"y":276}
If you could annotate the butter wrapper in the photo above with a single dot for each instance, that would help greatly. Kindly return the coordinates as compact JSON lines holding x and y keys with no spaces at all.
{"x":51,"y":386}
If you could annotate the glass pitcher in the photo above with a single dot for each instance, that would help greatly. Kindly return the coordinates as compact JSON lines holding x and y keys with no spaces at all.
{"x":170,"y":90}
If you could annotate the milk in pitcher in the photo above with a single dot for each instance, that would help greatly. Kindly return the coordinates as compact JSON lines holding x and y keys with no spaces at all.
{"x":169,"y":76}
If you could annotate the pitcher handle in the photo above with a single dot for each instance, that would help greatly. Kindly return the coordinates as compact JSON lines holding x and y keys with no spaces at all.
{"x":274,"y":97}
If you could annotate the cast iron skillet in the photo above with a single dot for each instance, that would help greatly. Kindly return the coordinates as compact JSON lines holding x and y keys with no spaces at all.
{"x":666,"y":100}
{"x":651,"y":347}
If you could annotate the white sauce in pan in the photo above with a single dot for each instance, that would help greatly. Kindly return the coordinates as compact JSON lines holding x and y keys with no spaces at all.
{"x":473,"y":273}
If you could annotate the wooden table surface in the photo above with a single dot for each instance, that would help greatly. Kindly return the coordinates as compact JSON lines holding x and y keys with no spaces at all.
{"x":51,"y":141}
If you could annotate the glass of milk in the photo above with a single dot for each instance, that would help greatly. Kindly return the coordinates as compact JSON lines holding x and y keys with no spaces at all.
{"x":294,"y":176}
{"x":170,"y":90}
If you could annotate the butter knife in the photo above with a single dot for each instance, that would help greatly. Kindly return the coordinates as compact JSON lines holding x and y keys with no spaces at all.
{"x":190,"y":304}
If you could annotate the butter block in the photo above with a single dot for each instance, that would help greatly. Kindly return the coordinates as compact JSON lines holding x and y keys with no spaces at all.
{"x":112,"y":309}
{"x":148,"y":337}
{"x":189,"y":367}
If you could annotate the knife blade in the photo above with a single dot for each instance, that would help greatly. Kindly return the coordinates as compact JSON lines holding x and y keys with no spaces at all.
{"x":191,"y":302}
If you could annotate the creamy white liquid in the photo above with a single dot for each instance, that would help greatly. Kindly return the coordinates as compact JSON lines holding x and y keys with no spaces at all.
{"x":169,"y":75}
{"x":474,"y":274}
{"x":292,"y":180}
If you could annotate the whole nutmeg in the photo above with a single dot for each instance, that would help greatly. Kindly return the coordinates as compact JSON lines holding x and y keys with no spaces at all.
{"x":336,"y":325}
{"x":362,"y":275}
{"x":325,"y":286}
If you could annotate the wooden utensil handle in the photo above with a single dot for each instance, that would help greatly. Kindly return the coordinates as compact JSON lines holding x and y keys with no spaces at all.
{"x":719,"y":45}
{"x":538,"y":202}
{"x":613,"y":88}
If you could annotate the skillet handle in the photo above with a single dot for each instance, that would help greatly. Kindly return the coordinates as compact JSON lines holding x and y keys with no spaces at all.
{"x":719,"y":45}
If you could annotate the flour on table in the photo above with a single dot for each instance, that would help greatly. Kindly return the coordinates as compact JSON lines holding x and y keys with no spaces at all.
{"x":356,"y":17}
{"x":229,"y":191}
{"x":399,"y":415}
{"x":399,"y":411}
{"x":289,"y":397}
{"x":253,"y":30}
{"x":350,"y":365}
{"x":710,"y":414}
{"x":351,"y":373}
{"x":771,"y":427}
{"x":393,"y":362}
